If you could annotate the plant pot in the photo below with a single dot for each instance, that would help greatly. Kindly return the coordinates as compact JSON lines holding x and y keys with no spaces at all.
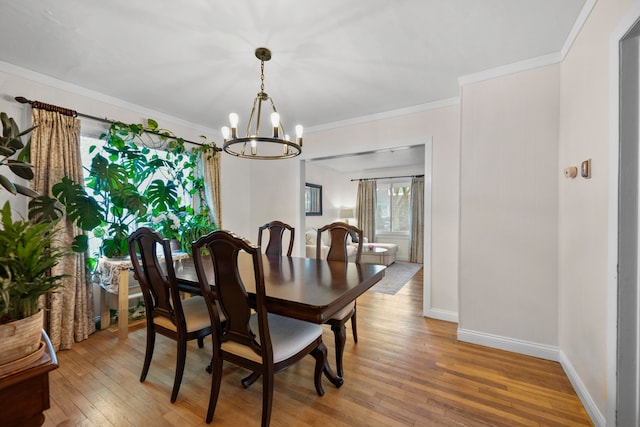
{"x":20,"y":338}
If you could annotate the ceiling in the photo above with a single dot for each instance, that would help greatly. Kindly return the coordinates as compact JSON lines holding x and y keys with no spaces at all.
{"x":332,"y":60}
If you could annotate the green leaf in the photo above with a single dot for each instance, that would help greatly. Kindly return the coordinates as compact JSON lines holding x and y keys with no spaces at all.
{"x":8,"y":185}
{"x":24,"y":132}
{"x":25,"y":154}
{"x":6,"y":125}
{"x":163,"y":197}
{"x":152,"y":124}
{"x":44,"y":209}
{"x":15,"y":143}
{"x":7,"y":151}
{"x":26,"y":191}
{"x":80,"y":243}
{"x":23,"y":170}
{"x":80,"y":207}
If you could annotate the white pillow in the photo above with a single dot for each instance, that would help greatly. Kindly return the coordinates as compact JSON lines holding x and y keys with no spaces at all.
{"x":310,"y":236}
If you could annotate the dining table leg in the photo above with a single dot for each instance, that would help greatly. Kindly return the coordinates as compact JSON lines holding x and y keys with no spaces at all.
{"x":336,"y":380}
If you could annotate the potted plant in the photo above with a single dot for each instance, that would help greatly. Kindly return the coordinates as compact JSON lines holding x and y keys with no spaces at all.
{"x":27,"y":254}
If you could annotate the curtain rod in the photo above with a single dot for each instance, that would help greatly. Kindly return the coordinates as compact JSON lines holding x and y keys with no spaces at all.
{"x":388,"y":177}
{"x":73,"y":113}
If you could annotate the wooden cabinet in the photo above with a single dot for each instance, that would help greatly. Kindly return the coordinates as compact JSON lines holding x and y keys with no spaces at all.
{"x":25,"y":394}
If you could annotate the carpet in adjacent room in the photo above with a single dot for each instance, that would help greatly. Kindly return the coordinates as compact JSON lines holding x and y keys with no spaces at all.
{"x":395,"y":277}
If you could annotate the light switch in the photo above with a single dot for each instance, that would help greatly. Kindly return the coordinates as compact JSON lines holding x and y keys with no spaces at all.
{"x":585,"y":169}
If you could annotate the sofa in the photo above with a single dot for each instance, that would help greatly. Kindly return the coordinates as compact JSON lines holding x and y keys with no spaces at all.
{"x":369,"y":254}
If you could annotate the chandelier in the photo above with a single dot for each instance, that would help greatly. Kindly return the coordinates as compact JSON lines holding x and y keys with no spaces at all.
{"x":277,"y":145}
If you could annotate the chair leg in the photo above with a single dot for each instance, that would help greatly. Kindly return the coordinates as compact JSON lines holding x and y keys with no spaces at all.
{"x":216,"y":380}
{"x":320,"y":354}
{"x":267,"y":398}
{"x":250,"y":379}
{"x":340,"y":334}
{"x":148,"y":354}
{"x":200,"y":342}
{"x":182,"y":355}
{"x":354,"y":327}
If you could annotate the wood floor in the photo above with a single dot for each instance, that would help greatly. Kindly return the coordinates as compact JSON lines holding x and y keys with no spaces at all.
{"x":405,"y":371}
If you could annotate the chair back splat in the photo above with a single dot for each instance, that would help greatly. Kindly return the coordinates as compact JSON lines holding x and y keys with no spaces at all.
{"x":276,"y":234}
{"x":339,"y":232}
{"x":262,"y":342}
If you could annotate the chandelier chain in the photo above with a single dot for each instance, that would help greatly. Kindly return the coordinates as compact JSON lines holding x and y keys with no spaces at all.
{"x":262,"y":76}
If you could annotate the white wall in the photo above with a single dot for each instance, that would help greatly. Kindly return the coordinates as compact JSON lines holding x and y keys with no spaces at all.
{"x":583,"y":215}
{"x":509,"y":209}
{"x":337,"y":192}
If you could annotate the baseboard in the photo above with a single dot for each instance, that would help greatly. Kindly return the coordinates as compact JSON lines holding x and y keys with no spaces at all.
{"x":509,"y":344}
{"x":446,"y":315}
{"x":590,"y":406}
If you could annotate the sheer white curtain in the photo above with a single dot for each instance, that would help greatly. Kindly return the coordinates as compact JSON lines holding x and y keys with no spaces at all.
{"x":366,"y":208}
{"x":55,"y":153}
{"x":416,"y":252}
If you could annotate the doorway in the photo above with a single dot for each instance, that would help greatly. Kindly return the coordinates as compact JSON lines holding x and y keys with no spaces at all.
{"x":414,"y":159}
{"x":627,"y":300}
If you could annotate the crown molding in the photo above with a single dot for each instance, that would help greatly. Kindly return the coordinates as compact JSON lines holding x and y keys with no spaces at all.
{"x":577,"y":26}
{"x":516,"y":67}
{"x":540,"y":61}
{"x":386,"y":114}
{"x":25,"y":73}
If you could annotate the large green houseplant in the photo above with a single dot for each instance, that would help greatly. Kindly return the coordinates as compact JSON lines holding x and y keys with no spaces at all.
{"x":133,"y":184}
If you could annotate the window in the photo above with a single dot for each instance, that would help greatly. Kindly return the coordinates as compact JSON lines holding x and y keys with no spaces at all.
{"x":163,"y":174}
{"x":393,"y":207}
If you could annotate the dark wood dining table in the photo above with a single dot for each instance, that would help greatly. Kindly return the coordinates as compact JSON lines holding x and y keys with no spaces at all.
{"x":303,"y":288}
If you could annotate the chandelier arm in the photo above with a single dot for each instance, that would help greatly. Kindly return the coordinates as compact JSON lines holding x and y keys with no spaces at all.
{"x":258,"y":116}
{"x":253,"y":111}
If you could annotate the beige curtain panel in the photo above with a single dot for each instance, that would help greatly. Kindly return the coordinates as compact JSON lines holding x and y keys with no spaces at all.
{"x":366,"y":208}
{"x":210,"y":170}
{"x":55,"y":153}
{"x":416,"y":252}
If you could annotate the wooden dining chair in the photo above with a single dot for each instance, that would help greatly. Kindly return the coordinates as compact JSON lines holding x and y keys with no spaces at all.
{"x":339,"y":233}
{"x":262,"y":342}
{"x":167,"y":314}
{"x":276,"y":233}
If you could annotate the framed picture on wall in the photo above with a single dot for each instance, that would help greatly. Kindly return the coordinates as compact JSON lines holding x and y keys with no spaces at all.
{"x":312,"y":199}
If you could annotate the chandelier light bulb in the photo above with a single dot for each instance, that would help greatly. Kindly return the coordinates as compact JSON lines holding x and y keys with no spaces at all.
{"x":254,"y":148}
{"x":233,"y":120}
{"x":275,"y":121}
{"x":299,"y":130}
{"x":225,"y":132}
